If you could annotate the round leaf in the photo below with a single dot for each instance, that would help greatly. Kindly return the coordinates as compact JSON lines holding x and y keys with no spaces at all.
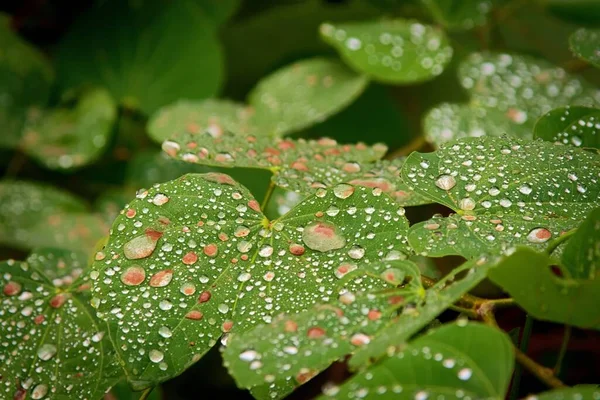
{"x":53,"y":346}
{"x":65,"y":137}
{"x":504,"y":191}
{"x":303,"y":94}
{"x":394,"y":51}
{"x":194,"y":258}
{"x":576,"y":126}
{"x":585,"y":44}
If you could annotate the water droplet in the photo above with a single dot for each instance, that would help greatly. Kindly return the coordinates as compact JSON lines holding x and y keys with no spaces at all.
{"x":223,"y":308}
{"x":297,"y":249}
{"x":244,"y":277}
{"x":156,"y":356}
{"x":539,"y":235}
{"x":204,"y":297}
{"x":160,"y":199}
{"x":211,"y":250}
{"x":343,"y":191}
{"x":39,"y":391}
{"x":165,"y":332}
{"x":190,"y":258}
{"x":265,"y":251}
{"x":315,"y":332}
{"x":133,"y":275}
{"x":12,"y":288}
{"x":46,"y":352}
{"x":445,"y":182}
{"x":188,"y":288}
{"x":248,"y":355}
{"x":421,"y":395}
{"x":505,"y":203}
{"x":161,"y":278}
{"x":360,"y":339}
{"x":356,"y":252}
{"x":322,"y":236}
{"x":464,"y":374}
{"x":194,"y":315}
{"x":142,"y":246}
{"x":466,"y":204}
{"x":525,"y":189}
{"x":449,"y":363}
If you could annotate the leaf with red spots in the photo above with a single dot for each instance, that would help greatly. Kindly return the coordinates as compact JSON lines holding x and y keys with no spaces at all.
{"x":505,"y":192}
{"x":37,"y":215}
{"x":528,"y":277}
{"x":296,"y":347}
{"x":215,"y":264}
{"x":446,"y":361}
{"x":53,"y":346}
{"x":509,"y":92}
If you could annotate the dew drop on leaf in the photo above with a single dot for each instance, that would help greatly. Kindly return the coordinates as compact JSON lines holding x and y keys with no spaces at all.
{"x":322,"y":236}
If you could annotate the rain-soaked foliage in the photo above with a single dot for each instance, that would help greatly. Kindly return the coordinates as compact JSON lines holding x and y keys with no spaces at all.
{"x":382,"y":199}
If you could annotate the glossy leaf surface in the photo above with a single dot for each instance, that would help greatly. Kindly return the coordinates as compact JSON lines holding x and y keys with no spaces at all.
{"x":573,"y":125}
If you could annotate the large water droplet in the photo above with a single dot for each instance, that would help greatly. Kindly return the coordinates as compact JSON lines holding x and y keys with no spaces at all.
{"x":539,"y":235}
{"x":356,"y":252}
{"x":525,"y":189}
{"x":322,"y":236}
{"x":141,"y":246}
{"x":161,"y":278}
{"x":46,"y":352}
{"x":445,"y":182}
{"x":39,"y":391}
{"x":156,"y":356}
{"x":343,"y":191}
{"x":465,"y":374}
{"x":466,"y":204}
{"x":133,"y":275}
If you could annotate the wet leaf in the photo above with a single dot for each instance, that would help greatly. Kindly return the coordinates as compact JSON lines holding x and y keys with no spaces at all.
{"x":504,"y":192}
{"x":303,"y":94}
{"x":25,"y":79}
{"x":528,"y":277}
{"x":412,"y":319}
{"x":70,"y":137}
{"x":298,"y":346}
{"x":576,"y":126}
{"x":391,"y":51}
{"x":53,"y":346}
{"x":508,"y":93}
{"x":122,"y":391}
{"x":458,"y":14}
{"x":448,"y":122}
{"x":194,"y":258}
{"x":445,"y":362}
{"x":194,"y":117}
{"x":581,"y":257}
{"x":136,"y":62}
{"x":585,"y":44}
{"x":579,"y":392}
{"x":36,"y":215}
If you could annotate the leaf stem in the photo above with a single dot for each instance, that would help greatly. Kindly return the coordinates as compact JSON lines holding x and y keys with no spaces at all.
{"x":523,"y":346}
{"x":146,"y":393}
{"x":268,"y":195}
{"x":563,"y":349}
{"x":414,"y":145}
{"x":559,"y":240}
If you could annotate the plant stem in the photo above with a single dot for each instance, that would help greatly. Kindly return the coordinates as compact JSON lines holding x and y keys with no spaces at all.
{"x":563,"y":349}
{"x":414,"y":145}
{"x":146,"y":393}
{"x":14,"y":165}
{"x":523,"y":346}
{"x":559,"y":240}
{"x":267,"y":197}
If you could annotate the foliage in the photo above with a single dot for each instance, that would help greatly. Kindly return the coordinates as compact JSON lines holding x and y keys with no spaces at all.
{"x":285,"y":183}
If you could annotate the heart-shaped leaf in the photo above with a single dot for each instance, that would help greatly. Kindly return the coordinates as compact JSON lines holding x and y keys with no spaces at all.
{"x":577,"y":126}
{"x":581,"y":256}
{"x":528,"y":277}
{"x":36,"y":215}
{"x":391,"y":51}
{"x":194,"y":117}
{"x":445,"y":362}
{"x":437,"y":299}
{"x":458,"y":14}
{"x":504,"y":192}
{"x":52,"y":345}
{"x":25,"y":79}
{"x":448,"y":122}
{"x":516,"y":88}
{"x":70,"y":137}
{"x":194,"y":258}
{"x":579,"y":392}
{"x":299,"y":346}
{"x":136,"y":62}
{"x":303,"y":94}
{"x":585,"y":44}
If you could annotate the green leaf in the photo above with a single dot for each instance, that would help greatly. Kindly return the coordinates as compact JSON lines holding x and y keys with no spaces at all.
{"x":122,"y":391}
{"x":36,"y":215}
{"x":25,"y":79}
{"x":448,"y":361}
{"x":391,"y":51}
{"x":504,"y":192}
{"x":508,"y":93}
{"x":578,"y":11}
{"x":527,"y":276}
{"x":577,"y":126}
{"x":136,"y":62}
{"x":302,"y":94}
{"x":448,"y":122}
{"x":298,"y":346}
{"x":194,"y":117}
{"x":458,"y":14}
{"x":579,"y":392}
{"x":53,"y":346}
{"x":70,"y":137}
{"x":585,"y":44}
{"x":437,"y":299}
{"x":194,"y":258}
{"x":581,"y":256}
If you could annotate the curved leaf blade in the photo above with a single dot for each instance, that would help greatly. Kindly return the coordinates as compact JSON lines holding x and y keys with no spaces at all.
{"x":574,"y":125}
{"x":395,"y":51}
{"x":583,"y":392}
{"x":459,"y":15}
{"x":581,"y":256}
{"x":504,"y":192}
{"x":585,"y":44}
{"x":194,"y":258}
{"x":52,"y":344}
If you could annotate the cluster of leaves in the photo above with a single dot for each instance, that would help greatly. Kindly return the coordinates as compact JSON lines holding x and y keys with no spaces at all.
{"x":144,"y":283}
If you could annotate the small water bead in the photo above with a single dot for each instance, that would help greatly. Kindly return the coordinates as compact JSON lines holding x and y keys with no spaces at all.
{"x":46,"y":351}
{"x":445,"y":182}
{"x":160,"y":199}
{"x":156,"y":356}
{"x":525,"y":189}
{"x":466,"y":204}
{"x":356,"y":252}
{"x":494,"y":191}
{"x":165,"y":332}
{"x":39,"y":391}
{"x":165,"y":305}
{"x":421,"y":395}
{"x":223,"y":308}
{"x":465,"y":374}
{"x":188,"y":288}
{"x":449,"y":363}
{"x":505,"y":203}
{"x":266,"y":251}
{"x":244,"y":277}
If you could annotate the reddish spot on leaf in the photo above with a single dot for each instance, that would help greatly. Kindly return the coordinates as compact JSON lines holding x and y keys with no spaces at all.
{"x":130,"y":213}
{"x":290,"y":326}
{"x":374,"y":315}
{"x":153,"y":234}
{"x":297,"y":249}
{"x":194,"y":315}
{"x":304,"y":375}
{"x":395,"y":299}
{"x":219,"y":178}
{"x":204,"y":297}
{"x":378,"y":183}
{"x":315,"y":332}
{"x":227,"y":325}
{"x":12,"y":288}
{"x":211,"y":250}
{"x":190,"y":258}
{"x":161,"y":278}
{"x":58,"y":300}
{"x":39,"y":319}
{"x":299,"y":166}
{"x":133,"y":275}
{"x":253,"y":204}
